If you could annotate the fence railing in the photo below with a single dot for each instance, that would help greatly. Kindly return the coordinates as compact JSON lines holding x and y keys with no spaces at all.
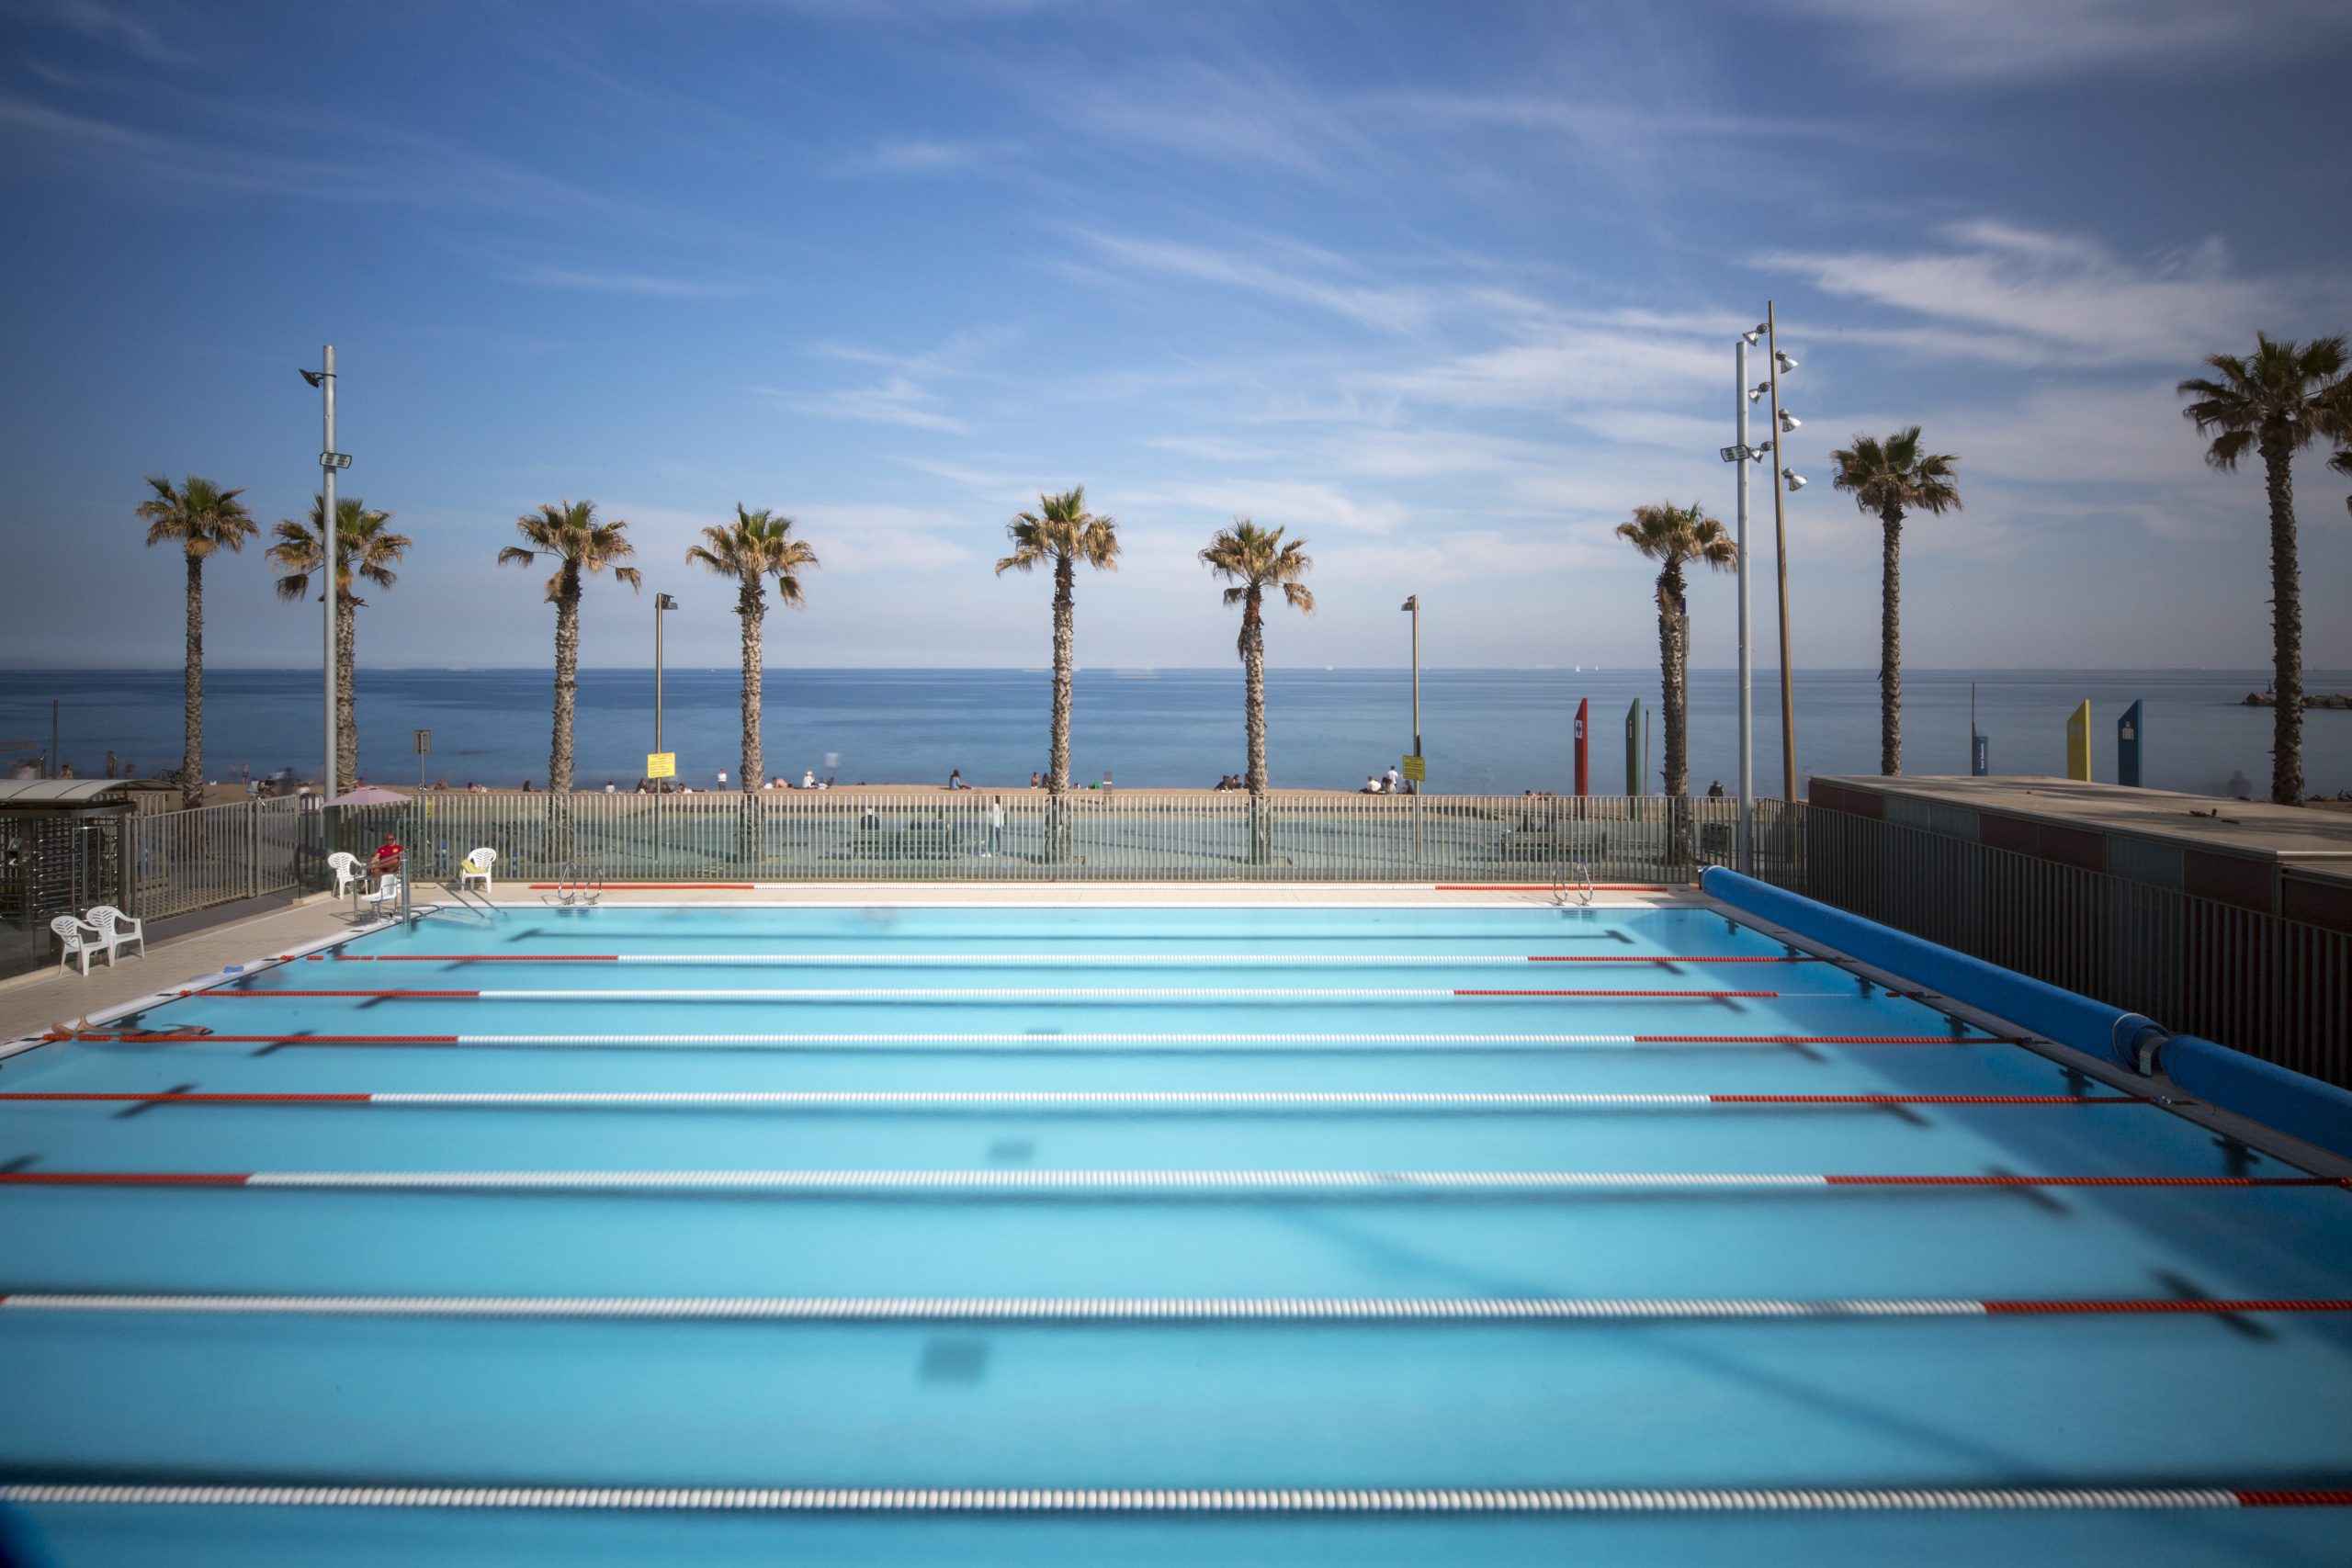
{"x":2278,"y":988}
{"x":180,"y":861}
{"x":776,"y":836}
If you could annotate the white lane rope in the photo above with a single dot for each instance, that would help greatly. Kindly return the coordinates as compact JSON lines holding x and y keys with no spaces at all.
{"x":1179,"y":1500}
{"x":989,"y":993}
{"x":1003,"y":1309}
{"x":1080,"y":960}
{"x":1181,"y":1040}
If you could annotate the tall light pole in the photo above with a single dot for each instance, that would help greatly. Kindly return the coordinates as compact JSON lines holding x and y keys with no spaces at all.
{"x":661,"y":602}
{"x":1746,"y":835}
{"x":1413,"y":607}
{"x":331,"y":462}
{"x":1791,"y":483}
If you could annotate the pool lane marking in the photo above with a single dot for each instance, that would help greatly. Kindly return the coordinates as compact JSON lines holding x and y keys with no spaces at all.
{"x":1016,"y":1038}
{"x":1144,"y":1309}
{"x":1076,"y":960}
{"x":852,"y":993}
{"x":1419,"y":1500}
{"x":826,"y":1099}
{"x":1376,"y":1183}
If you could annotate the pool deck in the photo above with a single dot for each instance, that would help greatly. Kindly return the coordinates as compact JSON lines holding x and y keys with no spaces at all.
{"x":30,"y":1004}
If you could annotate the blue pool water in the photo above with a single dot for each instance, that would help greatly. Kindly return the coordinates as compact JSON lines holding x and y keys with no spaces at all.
{"x":2191,"y":1399}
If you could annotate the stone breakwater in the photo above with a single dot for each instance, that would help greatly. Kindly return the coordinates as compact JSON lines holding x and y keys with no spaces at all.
{"x":2310,"y":700}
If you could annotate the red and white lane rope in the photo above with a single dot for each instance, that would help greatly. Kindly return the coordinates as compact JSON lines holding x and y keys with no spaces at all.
{"x":1148,"y":1309}
{"x":1112,"y":1183}
{"x":974,"y":993}
{"x":1069,"y":961}
{"x":1183,"y":1500}
{"x":927,"y":1040}
{"x":1068,"y":1100}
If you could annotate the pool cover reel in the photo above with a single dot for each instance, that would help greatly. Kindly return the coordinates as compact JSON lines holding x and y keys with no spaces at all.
{"x":2301,"y":1106}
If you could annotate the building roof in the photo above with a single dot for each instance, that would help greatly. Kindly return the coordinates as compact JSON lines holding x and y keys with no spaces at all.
{"x":17,"y":792}
{"x":2300,"y":835}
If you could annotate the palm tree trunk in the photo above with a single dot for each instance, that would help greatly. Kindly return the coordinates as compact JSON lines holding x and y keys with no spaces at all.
{"x":1890,"y":647}
{"x":1253,"y":711}
{"x":1253,"y":690}
{"x":567,"y":679}
{"x":1065,"y":652}
{"x":347,"y":704}
{"x":1674,"y":680}
{"x":192,"y":742}
{"x":753,"y":606}
{"x":2286,"y":628}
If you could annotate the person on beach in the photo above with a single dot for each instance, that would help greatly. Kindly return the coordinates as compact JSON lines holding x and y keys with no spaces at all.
{"x":807,"y":778}
{"x":956,"y":779}
{"x":1390,"y":783}
{"x":1715,"y":790}
{"x":1033,"y":779}
{"x":1371,"y":786}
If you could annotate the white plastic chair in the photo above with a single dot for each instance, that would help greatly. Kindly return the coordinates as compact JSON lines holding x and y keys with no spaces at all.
{"x":346,"y":867}
{"x":114,"y":928}
{"x":77,"y":941}
{"x":387,"y":894}
{"x":476,"y":868}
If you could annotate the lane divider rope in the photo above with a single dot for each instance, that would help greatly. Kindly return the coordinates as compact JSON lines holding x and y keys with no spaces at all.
{"x":1106,"y":1099}
{"x":928,"y":1041}
{"x":1071,"y":961}
{"x":1182,"y":1500}
{"x":1146,"y":1309}
{"x":970,"y":993}
{"x":1374,"y":1183}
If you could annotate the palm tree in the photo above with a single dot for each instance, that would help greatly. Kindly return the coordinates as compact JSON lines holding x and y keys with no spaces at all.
{"x":580,"y":541}
{"x":1674,"y":536}
{"x":365,"y":551}
{"x":2342,"y":464}
{"x":2276,"y":402}
{"x":1892,"y":477}
{"x":759,"y":546}
{"x":1255,"y":559}
{"x":1061,"y":531}
{"x":200,"y":517}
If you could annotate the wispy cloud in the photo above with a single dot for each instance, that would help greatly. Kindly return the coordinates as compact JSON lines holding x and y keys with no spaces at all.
{"x":1301,"y":275}
{"x":928,"y":155}
{"x":1922,"y":42}
{"x":625,"y":283}
{"x":2029,"y":297}
{"x":119,"y":26}
{"x":896,"y":399}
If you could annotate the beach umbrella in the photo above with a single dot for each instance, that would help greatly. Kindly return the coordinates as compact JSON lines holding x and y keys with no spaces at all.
{"x":370,"y":795}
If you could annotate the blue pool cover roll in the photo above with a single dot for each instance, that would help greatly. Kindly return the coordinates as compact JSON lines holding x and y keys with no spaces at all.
{"x":2061,"y":1015}
{"x":2301,"y":1106}
{"x":2277,"y":1097}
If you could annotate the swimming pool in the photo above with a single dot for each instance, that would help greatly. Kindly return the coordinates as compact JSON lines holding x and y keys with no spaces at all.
{"x":1016,"y":1234}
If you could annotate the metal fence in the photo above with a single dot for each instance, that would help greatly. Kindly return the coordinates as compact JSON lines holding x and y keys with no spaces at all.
{"x":2278,"y":988}
{"x":779,"y":836}
{"x":180,"y":861}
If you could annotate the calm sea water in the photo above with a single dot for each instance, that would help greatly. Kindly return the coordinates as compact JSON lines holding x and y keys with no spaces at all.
{"x":1482,"y":729}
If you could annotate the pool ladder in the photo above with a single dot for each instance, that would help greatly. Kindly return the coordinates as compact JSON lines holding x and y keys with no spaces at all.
{"x":573,"y":890}
{"x":1574,"y":884}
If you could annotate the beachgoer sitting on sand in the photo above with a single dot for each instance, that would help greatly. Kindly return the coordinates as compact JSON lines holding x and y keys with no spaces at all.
{"x":807,"y":778}
{"x":956,"y":779}
{"x":1371,"y":786}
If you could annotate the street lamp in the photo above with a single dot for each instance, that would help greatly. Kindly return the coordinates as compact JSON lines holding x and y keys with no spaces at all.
{"x":1782,"y":422}
{"x":1413,"y":607}
{"x":1792,"y":482}
{"x":661,"y":602}
{"x":331,"y":462}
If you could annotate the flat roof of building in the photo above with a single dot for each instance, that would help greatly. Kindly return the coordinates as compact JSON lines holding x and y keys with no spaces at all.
{"x":2238,"y":827}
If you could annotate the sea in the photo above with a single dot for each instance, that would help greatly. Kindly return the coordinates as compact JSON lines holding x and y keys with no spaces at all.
{"x":1482,"y":731}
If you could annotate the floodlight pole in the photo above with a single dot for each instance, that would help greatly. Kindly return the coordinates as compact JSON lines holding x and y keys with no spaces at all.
{"x":327,"y":542}
{"x":1746,"y":856}
{"x":1781,"y":562}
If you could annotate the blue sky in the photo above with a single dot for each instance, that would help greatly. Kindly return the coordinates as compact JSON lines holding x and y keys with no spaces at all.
{"x":1447,"y":289}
